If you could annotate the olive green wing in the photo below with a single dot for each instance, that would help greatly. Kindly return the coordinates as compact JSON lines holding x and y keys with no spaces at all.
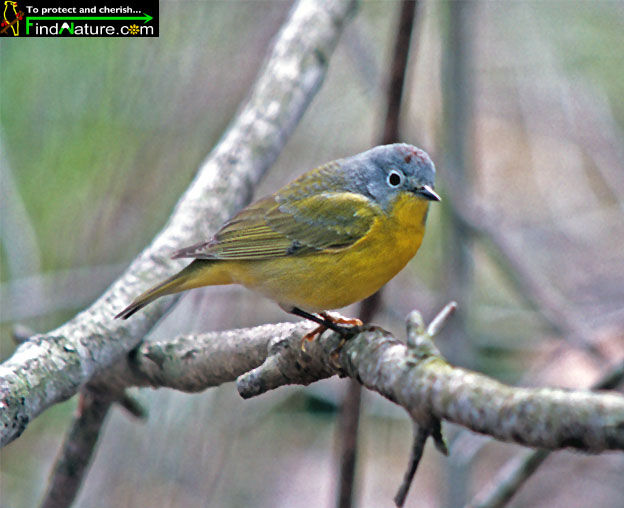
{"x":275,"y":227}
{"x":329,"y":220}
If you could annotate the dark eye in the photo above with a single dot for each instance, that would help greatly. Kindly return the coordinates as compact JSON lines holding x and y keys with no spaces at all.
{"x":395,"y":178}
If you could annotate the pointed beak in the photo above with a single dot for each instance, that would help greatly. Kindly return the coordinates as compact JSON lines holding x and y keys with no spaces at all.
{"x":428,"y":193}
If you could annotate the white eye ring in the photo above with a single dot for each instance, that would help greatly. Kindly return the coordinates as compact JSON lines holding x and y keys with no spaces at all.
{"x":395,"y":178}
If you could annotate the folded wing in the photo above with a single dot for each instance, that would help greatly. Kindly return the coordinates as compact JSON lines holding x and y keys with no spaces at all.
{"x":286,"y":225}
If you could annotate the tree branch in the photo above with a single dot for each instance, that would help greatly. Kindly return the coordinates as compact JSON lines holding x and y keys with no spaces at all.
{"x":517,"y":471}
{"x":77,"y":450}
{"x":51,"y":367}
{"x":415,"y":377}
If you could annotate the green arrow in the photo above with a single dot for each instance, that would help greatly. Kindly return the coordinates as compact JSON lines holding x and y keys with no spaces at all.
{"x":146,"y":18}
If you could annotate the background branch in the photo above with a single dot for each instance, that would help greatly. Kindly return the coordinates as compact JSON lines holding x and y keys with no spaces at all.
{"x":77,"y":451}
{"x":544,"y":300}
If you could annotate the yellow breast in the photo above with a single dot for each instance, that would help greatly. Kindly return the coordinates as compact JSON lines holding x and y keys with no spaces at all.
{"x":336,"y":278}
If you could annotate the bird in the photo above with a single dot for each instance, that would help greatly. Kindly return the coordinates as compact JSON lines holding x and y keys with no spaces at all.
{"x":11,"y":16}
{"x":329,"y":238}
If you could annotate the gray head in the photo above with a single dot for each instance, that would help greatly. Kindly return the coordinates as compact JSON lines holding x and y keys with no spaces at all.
{"x":383,"y":172}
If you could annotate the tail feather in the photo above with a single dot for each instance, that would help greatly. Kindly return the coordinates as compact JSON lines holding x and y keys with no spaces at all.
{"x":173,"y":284}
{"x":135,"y":306}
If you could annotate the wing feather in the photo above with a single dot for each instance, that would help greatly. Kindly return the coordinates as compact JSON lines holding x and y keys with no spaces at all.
{"x":290,"y":223}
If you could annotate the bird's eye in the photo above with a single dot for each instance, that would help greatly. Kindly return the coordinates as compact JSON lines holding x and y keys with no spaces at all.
{"x":395,"y":178}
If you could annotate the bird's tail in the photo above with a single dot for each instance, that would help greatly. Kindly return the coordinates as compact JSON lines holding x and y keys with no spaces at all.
{"x":185,"y":279}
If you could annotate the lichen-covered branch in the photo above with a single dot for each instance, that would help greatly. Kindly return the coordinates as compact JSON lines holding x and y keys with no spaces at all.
{"x":51,"y":367}
{"x":543,"y":417}
{"x":413,"y":375}
{"x":416,"y":377}
{"x":513,"y":475}
{"x":195,"y":362}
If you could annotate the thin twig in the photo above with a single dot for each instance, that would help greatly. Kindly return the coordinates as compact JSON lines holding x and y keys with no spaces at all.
{"x":419,"y":340}
{"x":511,"y":478}
{"x":611,"y":379}
{"x":397,"y":71}
{"x":133,"y":406}
{"x":418,"y":447}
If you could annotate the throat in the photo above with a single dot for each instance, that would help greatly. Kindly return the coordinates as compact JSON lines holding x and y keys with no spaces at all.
{"x":410,"y":213}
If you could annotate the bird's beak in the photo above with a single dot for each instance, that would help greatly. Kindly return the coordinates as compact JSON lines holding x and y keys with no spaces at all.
{"x":428,"y":193}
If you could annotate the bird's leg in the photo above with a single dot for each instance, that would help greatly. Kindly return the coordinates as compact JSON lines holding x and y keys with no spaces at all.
{"x":325,"y":321}
{"x":342,"y":321}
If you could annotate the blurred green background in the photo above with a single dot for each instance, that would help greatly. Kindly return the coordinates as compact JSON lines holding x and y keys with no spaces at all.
{"x":99,"y":137}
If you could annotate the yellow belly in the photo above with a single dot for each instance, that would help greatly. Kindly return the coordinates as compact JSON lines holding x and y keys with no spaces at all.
{"x":334,"y":279}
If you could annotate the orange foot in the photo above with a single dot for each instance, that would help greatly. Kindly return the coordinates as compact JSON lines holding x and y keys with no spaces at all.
{"x":311,"y":335}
